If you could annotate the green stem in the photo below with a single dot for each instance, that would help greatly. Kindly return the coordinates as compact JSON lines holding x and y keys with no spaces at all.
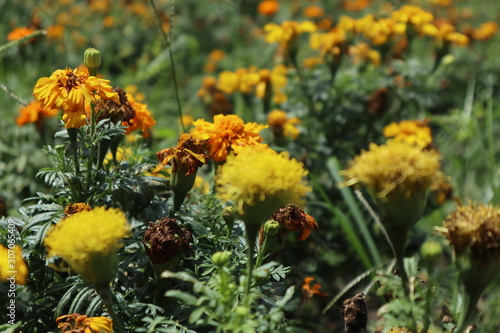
{"x":107,"y":296}
{"x":251,"y":233}
{"x":168,"y":43}
{"x":263,"y":251}
{"x":73,"y":141}
{"x":428,"y":297}
{"x":470,"y":298}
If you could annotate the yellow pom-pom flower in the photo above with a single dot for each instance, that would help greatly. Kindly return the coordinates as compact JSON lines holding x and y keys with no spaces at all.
{"x":94,"y":254}
{"x":410,"y":131}
{"x":260,"y":181}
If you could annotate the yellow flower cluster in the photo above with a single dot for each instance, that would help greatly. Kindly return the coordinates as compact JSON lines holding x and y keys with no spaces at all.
{"x":264,"y":83}
{"x":88,"y":241}
{"x":288,"y":31}
{"x":226,"y":133}
{"x":261,"y":180}
{"x":413,"y":132}
{"x":395,"y":167}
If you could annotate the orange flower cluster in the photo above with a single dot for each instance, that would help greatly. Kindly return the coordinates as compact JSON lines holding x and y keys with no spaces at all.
{"x":34,"y":113}
{"x":227,"y":133}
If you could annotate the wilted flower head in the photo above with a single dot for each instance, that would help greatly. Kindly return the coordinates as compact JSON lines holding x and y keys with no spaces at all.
{"x":72,"y":209}
{"x":258,"y":182}
{"x":413,"y":132}
{"x":166,"y":241}
{"x":71,"y":91}
{"x":187,"y":157}
{"x":293,"y":218}
{"x":394,"y":167}
{"x":122,"y":111}
{"x":225,"y":133}
{"x":77,"y":323}
{"x":12,"y":264}
{"x":88,"y":242}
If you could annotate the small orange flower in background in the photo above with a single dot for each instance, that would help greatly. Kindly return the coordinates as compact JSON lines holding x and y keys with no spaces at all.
{"x":77,"y":323}
{"x":282,"y":126}
{"x":226,"y":132}
{"x":362,"y":52}
{"x":34,"y":113}
{"x":485,"y":31}
{"x":19,"y":33}
{"x":355,"y":5}
{"x":213,"y":59}
{"x":143,"y":119}
{"x":313,"y":12}
{"x":414,"y":132}
{"x":71,"y":91}
{"x":268,"y":7}
{"x":55,"y":32}
{"x":309,"y":291}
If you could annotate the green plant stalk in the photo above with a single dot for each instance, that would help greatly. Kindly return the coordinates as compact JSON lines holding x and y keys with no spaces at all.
{"x":104,"y":291}
{"x":428,"y":296}
{"x":167,"y":40}
{"x":310,"y":102}
{"x":470,"y":298}
{"x":90,"y":159}
{"x":251,"y":233}
{"x":263,"y":250}
{"x":19,"y":41}
{"x":73,"y":141}
{"x":334,"y":169}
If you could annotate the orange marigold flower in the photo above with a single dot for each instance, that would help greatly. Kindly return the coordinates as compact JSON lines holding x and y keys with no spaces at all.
{"x":77,"y":323}
{"x":55,"y":32}
{"x":355,"y":5}
{"x":313,"y":12}
{"x":309,"y":291}
{"x":226,"y":132}
{"x":34,"y":113}
{"x":268,"y":7}
{"x":188,"y":156}
{"x":485,"y":31}
{"x":71,"y":91}
{"x":413,"y":132}
{"x":143,"y":119}
{"x":19,"y":33}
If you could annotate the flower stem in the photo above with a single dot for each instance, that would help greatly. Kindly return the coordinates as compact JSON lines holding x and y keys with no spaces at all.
{"x":262,"y":253}
{"x":168,"y":43}
{"x":107,"y":297}
{"x":251,"y":236}
{"x":470,"y":298}
{"x":73,"y":142}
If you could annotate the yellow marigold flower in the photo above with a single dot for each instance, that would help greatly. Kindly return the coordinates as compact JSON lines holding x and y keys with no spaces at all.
{"x":94,"y":255}
{"x":71,"y":90}
{"x":282,"y":126}
{"x":13,"y":268}
{"x":413,"y":132}
{"x":225,"y":133}
{"x":485,"y":31}
{"x":228,"y":82}
{"x":19,"y":33}
{"x":268,"y":7}
{"x":77,"y":323}
{"x":362,"y":52}
{"x":458,"y":39}
{"x":272,"y":83}
{"x":142,"y":120}
{"x":288,"y":31}
{"x":34,"y":113}
{"x":395,"y":167}
{"x":259,"y":182}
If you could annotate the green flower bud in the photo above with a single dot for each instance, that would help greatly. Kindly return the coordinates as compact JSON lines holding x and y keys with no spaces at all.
{"x":228,"y":215}
{"x":242,"y":310}
{"x":431,"y":252}
{"x":221,"y":258}
{"x":271,"y":228}
{"x":92,"y":59}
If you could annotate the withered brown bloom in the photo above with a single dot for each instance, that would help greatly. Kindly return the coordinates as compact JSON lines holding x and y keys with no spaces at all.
{"x":190,"y":154}
{"x":166,"y":241}
{"x":108,"y":109}
{"x":354,"y":313}
{"x":293,"y":218}
{"x":72,"y":209}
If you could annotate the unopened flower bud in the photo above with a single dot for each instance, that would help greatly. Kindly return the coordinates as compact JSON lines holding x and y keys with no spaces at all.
{"x":228,"y":216}
{"x":92,"y":59}
{"x":271,"y":228}
{"x":221,"y":258}
{"x":242,"y":310}
{"x":431,"y":252}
